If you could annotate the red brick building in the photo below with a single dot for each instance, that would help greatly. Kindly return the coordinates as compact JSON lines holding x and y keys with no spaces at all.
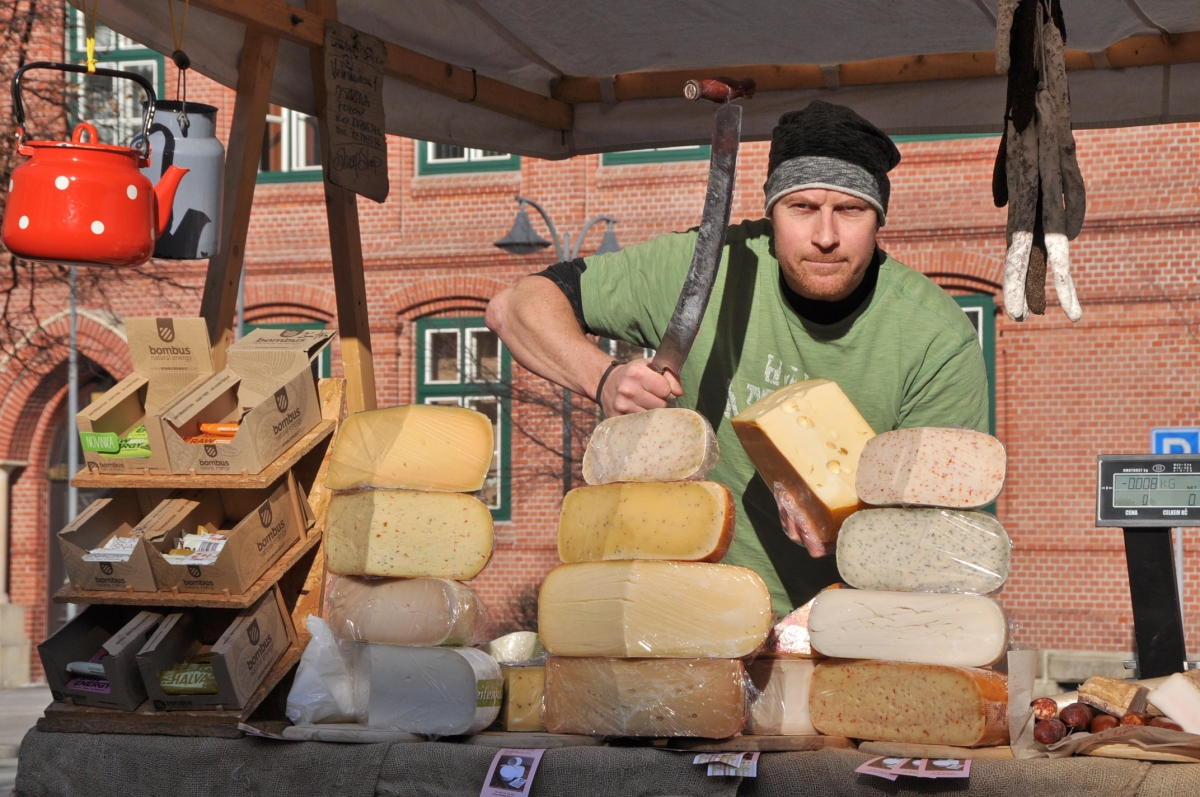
{"x":1063,"y":392}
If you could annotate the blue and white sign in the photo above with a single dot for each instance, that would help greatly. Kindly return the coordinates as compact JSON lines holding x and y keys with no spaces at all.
{"x":1184,"y":440}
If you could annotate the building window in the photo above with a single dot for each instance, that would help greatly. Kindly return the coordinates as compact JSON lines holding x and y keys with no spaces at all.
{"x":981,"y":311}
{"x":658,"y":155}
{"x":452,"y":159}
{"x":113,"y":105}
{"x":291,"y":149}
{"x":461,"y":363}
{"x":322,"y":366}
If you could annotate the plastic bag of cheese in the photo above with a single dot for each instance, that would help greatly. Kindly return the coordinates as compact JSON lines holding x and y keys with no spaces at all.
{"x":518,"y":649}
{"x":670,"y":444}
{"x":406,"y":611}
{"x":322,"y":691}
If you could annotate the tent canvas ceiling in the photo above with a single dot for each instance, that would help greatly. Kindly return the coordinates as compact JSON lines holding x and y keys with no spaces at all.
{"x":541,"y":47}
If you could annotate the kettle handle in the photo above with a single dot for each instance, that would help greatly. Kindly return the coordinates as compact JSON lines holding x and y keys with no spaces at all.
{"x":148,"y":116}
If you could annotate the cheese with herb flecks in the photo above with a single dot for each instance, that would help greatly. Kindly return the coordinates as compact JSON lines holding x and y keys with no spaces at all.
{"x":930,"y":466}
{"x":662,"y":445}
{"x":923,"y":550}
{"x":523,"y":687}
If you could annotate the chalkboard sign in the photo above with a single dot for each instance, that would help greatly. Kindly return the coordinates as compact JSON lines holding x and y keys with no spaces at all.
{"x":357,"y":147}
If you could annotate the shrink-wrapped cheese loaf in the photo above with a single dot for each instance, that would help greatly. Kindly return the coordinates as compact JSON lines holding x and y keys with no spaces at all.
{"x":407,"y":534}
{"x":914,"y":703}
{"x":518,"y":647}
{"x":688,"y":521}
{"x":653,"y":610}
{"x":659,"y":697}
{"x":779,"y":702}
{"x":416,"y":447}
{"x":404,"y":611}
{"x":663,"y":445}
{"x":805,"y":439}
{"x":923,"y":550}
{"x":790,"y":637}
{"x":523,"y":688}
{"x":927,"y":466}
{"x":931,"y":628}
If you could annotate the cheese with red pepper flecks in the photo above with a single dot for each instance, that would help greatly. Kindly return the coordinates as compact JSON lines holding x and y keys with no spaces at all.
{"x":670,"y":444}
{"x":928,"y":466}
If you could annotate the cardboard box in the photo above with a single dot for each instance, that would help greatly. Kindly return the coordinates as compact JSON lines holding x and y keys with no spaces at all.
{"x":89,"y":565}
{"x":171,"y":357}
{"x":260,"y":526}
{"x":110,"y":635}
{"x":245,"y":647}
{"x":268,"y":387}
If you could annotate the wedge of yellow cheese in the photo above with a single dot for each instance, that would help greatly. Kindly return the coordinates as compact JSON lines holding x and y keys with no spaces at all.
{"x":522,"y":709}
{"x":415,"y":447}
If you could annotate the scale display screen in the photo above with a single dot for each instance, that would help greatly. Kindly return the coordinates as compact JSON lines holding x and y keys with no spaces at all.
{"x":1148,"y":490}
{"x":1166,"y":490}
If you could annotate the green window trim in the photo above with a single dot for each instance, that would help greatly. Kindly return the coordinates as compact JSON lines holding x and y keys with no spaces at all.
{"x":323,"y":365}
{"x":425,"y":166}
{"x":464,"y":389}
{"x":981,"y":309}
{"x":700,"y":152}
{"x":298,"y":176}
{"x":941,"y":136}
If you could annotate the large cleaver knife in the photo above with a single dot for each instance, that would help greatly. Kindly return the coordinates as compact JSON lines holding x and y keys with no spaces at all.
{"x":718,"y":199}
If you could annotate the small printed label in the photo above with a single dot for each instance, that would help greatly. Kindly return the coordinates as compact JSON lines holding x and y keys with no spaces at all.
{"x":490,"y":692}
{"x":100,"y":442}
{"x":511,"y":773}
{"x":117,"y":549}
{"x":892,"y":767}
{"x":729,"y":765}
{"x":98,"y":685}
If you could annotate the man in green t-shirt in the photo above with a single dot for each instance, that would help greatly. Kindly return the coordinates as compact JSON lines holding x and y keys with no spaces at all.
{"x":804,"y":293}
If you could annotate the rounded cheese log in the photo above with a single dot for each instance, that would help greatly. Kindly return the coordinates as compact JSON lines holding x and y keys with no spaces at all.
{"x":923,"y":627}
{"x":928,"y":466}
{"x":415,"y":447}
{"x":779,"y":701}
{"x":806,"y":439}
{"x":653,"y":610}
{"x":688,"y":521}
{"x":923,"y":550}
{"x":663,"y":697}
{"x":407,"y":534}
{"x":915,"y":703}
{"x":404,"y":611}
{"x":434,"y":691}
{"x":653,"y":446}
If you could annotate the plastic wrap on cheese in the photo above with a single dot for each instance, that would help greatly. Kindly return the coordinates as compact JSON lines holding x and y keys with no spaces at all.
{"x":653,"y":446}
{"x":406,"y":611}
{"x":522,"y":709}
{"x":407,"y":534}
{"x":790,"y":637}
{"x":779,"y":698}
{"x":648,"y":697}
{"x":432,"y":691}
{"x":1178,"y":697}
{"x":323,"y":689}
{"x":518,"y":649}
{"x":415,"y":446}
{"x":653,"y":610}
{"x":924,"y":550}
{"x":929,"y":466}
{"x":684,"y":521}
{"x":922,"y":627}
{"x":915,"y":703}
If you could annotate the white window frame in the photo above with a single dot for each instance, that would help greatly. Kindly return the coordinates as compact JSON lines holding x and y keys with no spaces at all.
{"x":291,"y":123}
{"x":470,"y":155}
{"x":469,"y":366}
{"x":128,"y":122}
{"x":429,"y":361}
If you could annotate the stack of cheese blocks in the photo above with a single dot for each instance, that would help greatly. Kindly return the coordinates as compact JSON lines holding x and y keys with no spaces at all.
{"x":912,"y":641}
{"x":646,"y":635}
{"x":402,"y":532}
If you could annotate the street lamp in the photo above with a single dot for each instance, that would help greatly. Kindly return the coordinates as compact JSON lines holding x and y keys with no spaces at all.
{"x":523,"y":240}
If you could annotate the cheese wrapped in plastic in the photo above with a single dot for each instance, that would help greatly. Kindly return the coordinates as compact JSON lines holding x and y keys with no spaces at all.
{"x":915,"y":703}
{"x":405,"y":611}
{"x":432,"y":691}
{"x":662,"y":445}
{"x":779,"y":698}
{"x":924,"y":550}
{"x":520,"y":648}
{"x":930,"y":466}
{"x":683,"y":521}
{"x":415,"y":447}
{"x":653,"y":610}
{"x":647,"y":697}
{"x":790,"y":637}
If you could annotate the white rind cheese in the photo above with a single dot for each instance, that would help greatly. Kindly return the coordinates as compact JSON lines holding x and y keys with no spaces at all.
{"x":923,"y":550}
{"x":926,"y":628}
{"x":403,"y":611}
{"x":929,"y":466}
{"x":779,"y":702}
{"x":653,"y":446}
{"x":1179,"y":698}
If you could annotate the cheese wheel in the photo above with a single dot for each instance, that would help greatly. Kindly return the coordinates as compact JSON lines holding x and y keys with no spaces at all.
{"x":653,"y":610}
{"x":662,"y":445}
{"x":930,"y":628}
{"x":688,"y":521}
{"x":923,"y":550}
{"x":779,"y":702}
{"x":407,"y":534}
{"x":914,"y":703}
{"x":404,"y":611}
{"x":927,"y":466}
{"x":522,"y":709}
{"x":416,"y":447}
{"x":662,"y":697}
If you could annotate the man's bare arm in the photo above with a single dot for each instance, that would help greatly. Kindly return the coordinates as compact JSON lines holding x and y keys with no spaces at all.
{"x":537,"y":324}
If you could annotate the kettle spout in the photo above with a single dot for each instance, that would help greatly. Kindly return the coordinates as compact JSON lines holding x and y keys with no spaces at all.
{"x":164,"y":197}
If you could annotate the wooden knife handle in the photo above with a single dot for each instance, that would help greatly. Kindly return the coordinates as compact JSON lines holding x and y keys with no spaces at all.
{"x":722,"y":89}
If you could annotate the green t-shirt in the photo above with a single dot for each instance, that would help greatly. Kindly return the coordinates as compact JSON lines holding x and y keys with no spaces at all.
{"x":908,"y":357}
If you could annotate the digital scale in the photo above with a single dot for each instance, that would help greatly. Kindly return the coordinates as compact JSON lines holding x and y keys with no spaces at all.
{"x":1147,"y":495}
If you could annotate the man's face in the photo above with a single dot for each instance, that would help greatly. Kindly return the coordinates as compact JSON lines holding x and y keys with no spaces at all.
{"x":824,"y":241}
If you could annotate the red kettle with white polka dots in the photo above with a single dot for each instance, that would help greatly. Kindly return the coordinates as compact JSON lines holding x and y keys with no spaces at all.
{"x":83,"y":202}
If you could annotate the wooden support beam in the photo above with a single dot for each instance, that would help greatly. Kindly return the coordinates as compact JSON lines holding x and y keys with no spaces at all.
{"x":307,"y":28}
{"x":255,"y":73}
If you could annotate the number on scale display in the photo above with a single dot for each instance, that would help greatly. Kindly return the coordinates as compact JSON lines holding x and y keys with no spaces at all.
{"x":1167,"y":490}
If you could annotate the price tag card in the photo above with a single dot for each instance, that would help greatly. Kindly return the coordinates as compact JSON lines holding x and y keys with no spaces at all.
{"x":511,"y":773}
{"x":357,"y":146}
{"x":892,"y":767}
{"x":117,"y":549}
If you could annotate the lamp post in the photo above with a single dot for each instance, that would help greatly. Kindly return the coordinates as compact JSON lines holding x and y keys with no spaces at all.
{"x":523,"y":240}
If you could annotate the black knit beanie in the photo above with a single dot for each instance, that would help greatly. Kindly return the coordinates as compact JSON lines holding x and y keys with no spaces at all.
{"x":830,"y":146}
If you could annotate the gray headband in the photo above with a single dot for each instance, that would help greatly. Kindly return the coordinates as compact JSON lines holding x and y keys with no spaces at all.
{"x":812,"y":171}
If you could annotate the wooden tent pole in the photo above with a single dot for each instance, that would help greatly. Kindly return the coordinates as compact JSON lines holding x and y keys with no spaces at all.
{"x":255,"y":73}
{"x":345,"y":246}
